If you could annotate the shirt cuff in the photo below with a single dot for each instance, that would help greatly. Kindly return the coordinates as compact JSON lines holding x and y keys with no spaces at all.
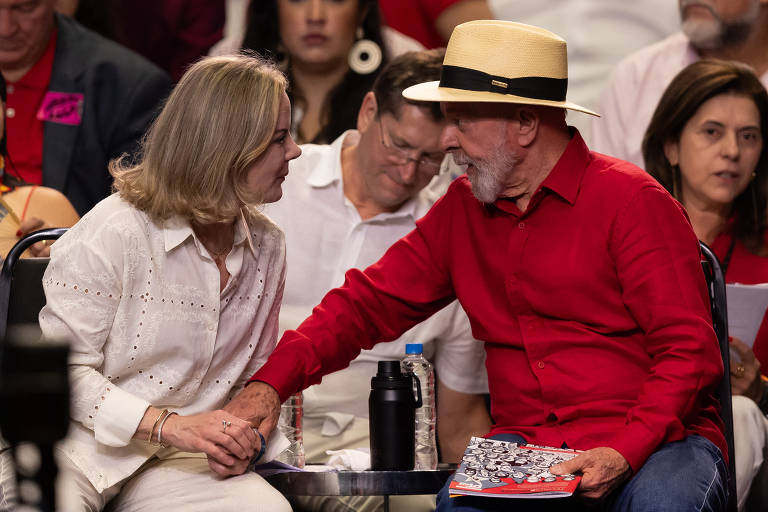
{"x":278,"y":379}
{"x":119,"y":416}
{"x":635,"y":443}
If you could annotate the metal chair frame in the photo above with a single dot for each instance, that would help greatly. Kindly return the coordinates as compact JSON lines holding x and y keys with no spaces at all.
{"x":717,"y":298}
{"x":7,"y":272}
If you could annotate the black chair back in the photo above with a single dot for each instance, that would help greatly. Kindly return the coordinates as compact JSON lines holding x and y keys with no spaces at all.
{"x":719,"y":306}
{"x":21,"y":282}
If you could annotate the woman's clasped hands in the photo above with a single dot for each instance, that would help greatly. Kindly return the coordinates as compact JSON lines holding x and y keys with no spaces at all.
{"x":229,"y":442}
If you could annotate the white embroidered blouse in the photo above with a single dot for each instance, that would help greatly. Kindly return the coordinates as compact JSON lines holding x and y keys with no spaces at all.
{"x":140,"y":304}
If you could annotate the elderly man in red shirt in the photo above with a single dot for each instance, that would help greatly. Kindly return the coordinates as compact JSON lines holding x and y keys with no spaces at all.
{"x":578,"y":271}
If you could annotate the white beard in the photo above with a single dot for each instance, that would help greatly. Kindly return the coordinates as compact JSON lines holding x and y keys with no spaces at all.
{"x":716,"y":33}
{"x":490,"y":176}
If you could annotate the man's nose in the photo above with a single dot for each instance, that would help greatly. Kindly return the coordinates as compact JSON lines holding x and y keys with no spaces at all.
{"x":8,"y":24}
{"x":408,"y":171}
{"x":448,"y":140}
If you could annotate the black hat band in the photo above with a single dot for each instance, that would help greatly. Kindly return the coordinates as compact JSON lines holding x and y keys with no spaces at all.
{"x":534,"y":87}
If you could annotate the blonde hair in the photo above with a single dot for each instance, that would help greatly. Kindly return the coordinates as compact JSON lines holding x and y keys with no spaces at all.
{"x":195,"y":157}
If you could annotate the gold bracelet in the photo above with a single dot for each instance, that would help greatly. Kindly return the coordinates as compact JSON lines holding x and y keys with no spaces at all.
{"x":163,"y":413}
{"x":160,"y":430}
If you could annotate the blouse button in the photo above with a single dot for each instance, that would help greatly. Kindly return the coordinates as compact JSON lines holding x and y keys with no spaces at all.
{"x":521,"y":225}
{"x":541,"y":364}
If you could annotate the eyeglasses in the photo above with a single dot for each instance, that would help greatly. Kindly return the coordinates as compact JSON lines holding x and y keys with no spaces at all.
{"x":400,"y":156}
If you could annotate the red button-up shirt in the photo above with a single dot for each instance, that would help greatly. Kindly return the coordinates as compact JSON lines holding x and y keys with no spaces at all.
{"x":591,"y":304}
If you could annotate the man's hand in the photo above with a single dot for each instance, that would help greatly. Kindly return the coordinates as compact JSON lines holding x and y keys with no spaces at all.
{"x":258,"y":404}
{"x":603,"y":469}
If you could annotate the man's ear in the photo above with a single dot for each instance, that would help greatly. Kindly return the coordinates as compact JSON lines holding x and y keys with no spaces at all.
{"x":367,"y":113}
{"x":672,"y":152}
{"x":528,"y":121}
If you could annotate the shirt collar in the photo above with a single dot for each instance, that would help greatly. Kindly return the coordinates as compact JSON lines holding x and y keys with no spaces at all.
{"x":39,"y":75}
{"x":177,"y":230}
{"x":324,"y":175}
{"x":565,"y":177}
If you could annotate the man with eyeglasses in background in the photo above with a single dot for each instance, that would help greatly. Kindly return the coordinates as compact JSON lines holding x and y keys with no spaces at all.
{"x":343,"y":205}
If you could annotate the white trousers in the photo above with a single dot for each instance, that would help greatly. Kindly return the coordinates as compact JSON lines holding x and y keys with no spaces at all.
{"x":750,"y":436}
{"x":182,"y":482}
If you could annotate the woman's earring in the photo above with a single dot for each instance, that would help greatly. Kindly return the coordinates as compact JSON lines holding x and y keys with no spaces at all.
{"x":365,"y":55}
{"x":283,"y":59}
{"x":675,"y":181}
{"x":754,"y":203}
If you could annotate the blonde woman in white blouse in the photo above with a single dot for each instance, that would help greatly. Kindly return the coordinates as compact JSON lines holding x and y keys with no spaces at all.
{"x":169,"y":292}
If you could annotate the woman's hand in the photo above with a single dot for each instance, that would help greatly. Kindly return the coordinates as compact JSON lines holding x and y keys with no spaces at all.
{"x":228,"y":441}
{"x":41,"y":249}
{"x":745,"y":375}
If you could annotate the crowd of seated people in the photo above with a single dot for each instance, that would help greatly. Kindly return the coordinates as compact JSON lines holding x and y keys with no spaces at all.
{"x":92,"y":140}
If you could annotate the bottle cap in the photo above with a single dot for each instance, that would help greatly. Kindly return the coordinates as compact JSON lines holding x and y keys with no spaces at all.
{"x":414,"y":348}
{"x":389,"y":376}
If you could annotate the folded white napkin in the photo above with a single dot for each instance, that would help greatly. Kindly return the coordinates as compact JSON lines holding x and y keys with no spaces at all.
{"x":276,"y":443}
{"x":335,"y":423}
{"x":357,"y":459}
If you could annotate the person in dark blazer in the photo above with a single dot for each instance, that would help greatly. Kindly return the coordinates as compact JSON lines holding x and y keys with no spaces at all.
{"x":98,"y":101}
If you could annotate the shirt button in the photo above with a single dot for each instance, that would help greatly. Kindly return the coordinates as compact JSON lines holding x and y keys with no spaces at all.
{"x":541,"y":364}
{"x":521,"y":225}
{"x":11,"y":89}
{"x":211,"y":328}
{"x":10,"y":112}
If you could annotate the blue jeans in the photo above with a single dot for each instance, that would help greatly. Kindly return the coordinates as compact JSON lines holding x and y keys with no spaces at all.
{"x":688,"y":475}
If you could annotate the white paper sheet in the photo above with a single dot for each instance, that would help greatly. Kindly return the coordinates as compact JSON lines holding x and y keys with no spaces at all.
{"x":746,"y":308}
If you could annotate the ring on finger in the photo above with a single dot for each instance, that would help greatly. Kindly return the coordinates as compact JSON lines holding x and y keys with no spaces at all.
{"x":44,"y":243}
{"x":740,"y":369}
{"x":226,"y":424}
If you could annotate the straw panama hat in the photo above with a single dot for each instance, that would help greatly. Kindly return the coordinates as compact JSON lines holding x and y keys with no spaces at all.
{"x":501,"y":62}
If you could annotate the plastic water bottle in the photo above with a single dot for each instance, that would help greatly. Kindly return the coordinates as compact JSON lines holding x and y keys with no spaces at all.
{"x":291,"y":413}
{"x":426,"y":447}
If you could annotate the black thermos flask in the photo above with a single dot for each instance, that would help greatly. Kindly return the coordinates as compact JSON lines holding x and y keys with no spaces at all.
{"x":392,"y":411}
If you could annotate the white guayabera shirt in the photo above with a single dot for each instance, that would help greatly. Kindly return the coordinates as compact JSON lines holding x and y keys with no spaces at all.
{"x":141,"y":306}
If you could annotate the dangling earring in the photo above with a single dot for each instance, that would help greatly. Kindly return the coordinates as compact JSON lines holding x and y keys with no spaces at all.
{"x":283,"y":59}
{"x":365,"y":55}
{"x":675,"y":179}
{"x":754,"y":201}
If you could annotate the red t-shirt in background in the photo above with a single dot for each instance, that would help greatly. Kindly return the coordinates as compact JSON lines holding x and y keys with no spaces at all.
{"x":592,"y":306}
{"x":25,"y":130}
{"x":416,"y":18}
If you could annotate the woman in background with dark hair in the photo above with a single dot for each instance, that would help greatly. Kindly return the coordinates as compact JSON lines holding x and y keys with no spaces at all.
{"x":331,"y":51}
{"x":707,"y":144}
